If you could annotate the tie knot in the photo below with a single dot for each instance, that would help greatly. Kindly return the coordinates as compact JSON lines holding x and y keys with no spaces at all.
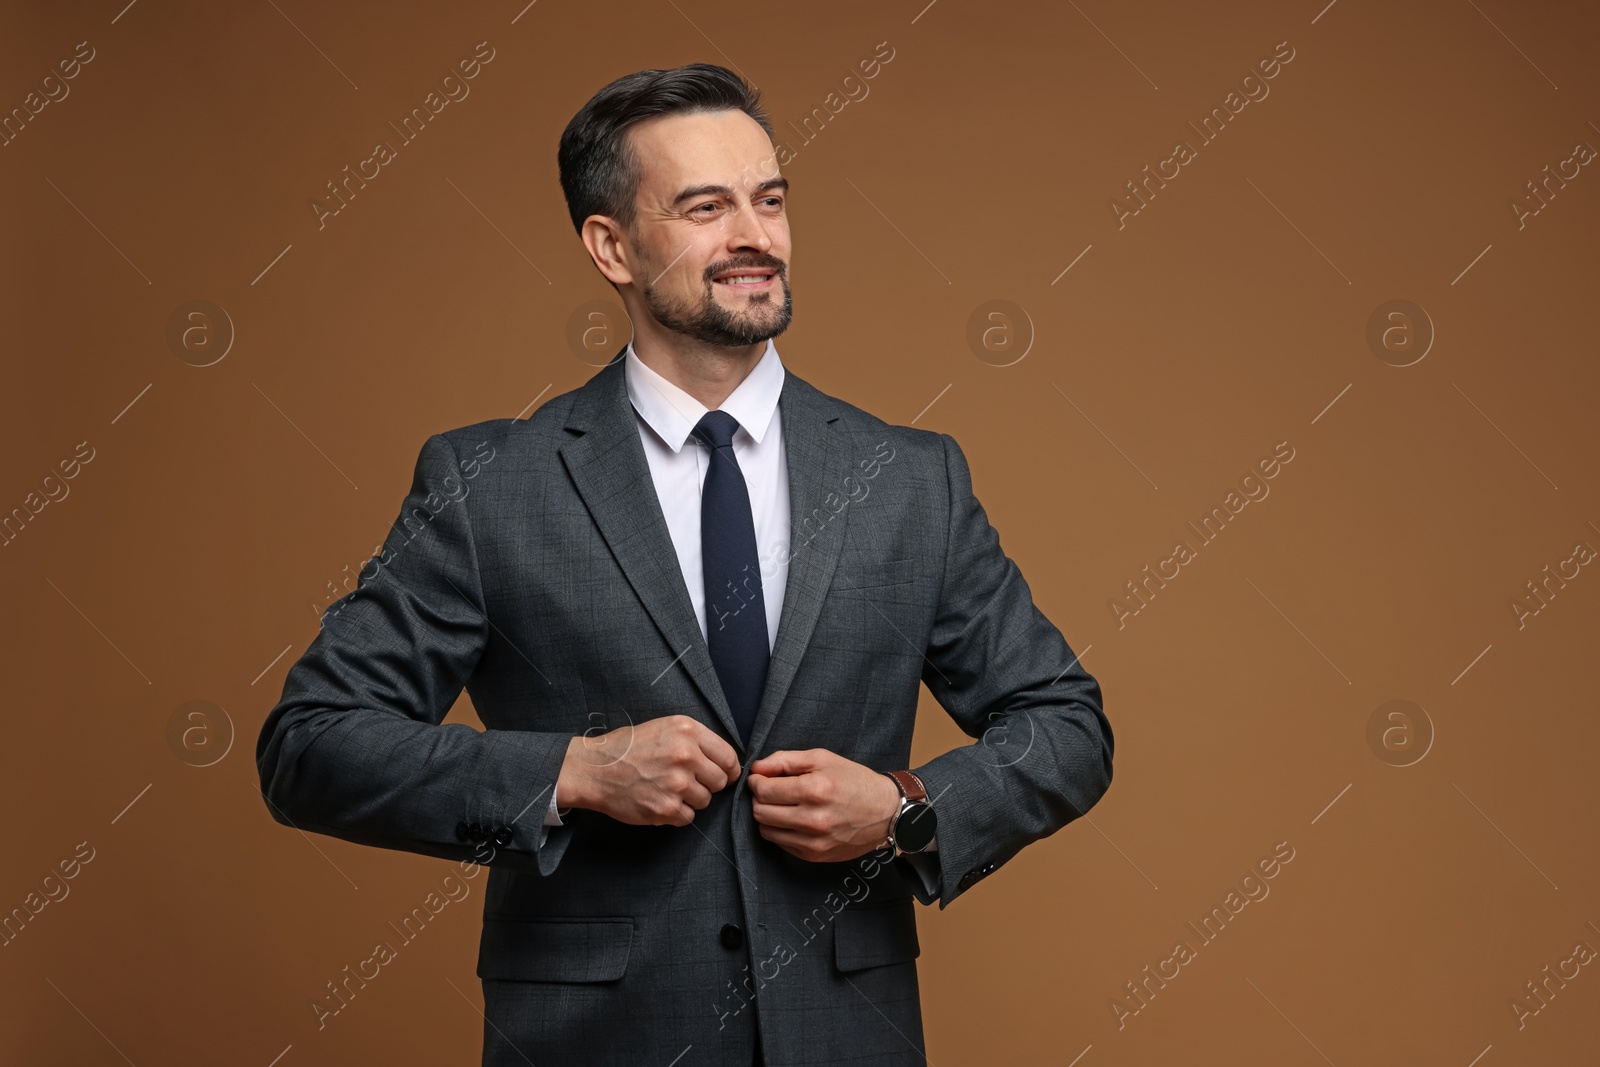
{"x":716,"y":428}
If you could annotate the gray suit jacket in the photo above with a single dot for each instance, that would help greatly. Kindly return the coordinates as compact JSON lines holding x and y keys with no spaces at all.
{"x":532,"y":566}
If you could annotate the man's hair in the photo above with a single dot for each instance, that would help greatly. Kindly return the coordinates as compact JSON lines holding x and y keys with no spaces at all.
{"x":600,"y":172}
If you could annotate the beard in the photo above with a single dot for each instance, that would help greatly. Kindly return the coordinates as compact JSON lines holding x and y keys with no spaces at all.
{"x":710,"y":323}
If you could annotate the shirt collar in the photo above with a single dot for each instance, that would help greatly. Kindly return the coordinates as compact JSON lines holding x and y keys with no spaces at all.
{"x":673,"y":414}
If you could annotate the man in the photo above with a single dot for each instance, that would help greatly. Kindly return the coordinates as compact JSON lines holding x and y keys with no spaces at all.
{"x":692,"y":601}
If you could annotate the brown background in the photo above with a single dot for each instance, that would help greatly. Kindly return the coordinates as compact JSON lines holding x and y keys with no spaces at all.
{"x":190,"y":558}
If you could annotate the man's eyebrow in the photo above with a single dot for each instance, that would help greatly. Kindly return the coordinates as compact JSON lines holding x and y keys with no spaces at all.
{"x":723,"y":190}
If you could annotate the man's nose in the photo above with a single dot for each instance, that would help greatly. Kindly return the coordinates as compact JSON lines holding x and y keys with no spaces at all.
{"x":746,"y":229}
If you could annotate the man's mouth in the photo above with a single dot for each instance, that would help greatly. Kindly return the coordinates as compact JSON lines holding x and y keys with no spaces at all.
{"x":745,"y":279}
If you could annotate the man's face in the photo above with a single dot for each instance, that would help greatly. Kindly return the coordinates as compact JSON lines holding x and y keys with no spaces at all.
{"x":710,"y":244}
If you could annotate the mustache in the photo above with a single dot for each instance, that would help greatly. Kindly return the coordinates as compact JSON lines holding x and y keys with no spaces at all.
{"x":772,"y":263}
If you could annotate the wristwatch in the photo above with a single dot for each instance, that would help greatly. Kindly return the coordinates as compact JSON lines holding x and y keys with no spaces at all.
{"x":913,"y":826}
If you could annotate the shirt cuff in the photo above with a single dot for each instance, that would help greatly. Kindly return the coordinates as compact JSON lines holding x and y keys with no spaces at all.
{"x":927,"y":869}
{"x":552,"y":817}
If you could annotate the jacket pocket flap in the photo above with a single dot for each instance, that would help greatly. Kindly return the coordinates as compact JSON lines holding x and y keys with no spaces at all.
{"x":555,"y":950}
{"x":875,"y":934}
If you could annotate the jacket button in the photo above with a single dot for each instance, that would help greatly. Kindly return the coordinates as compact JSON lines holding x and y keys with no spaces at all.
{"x":732,"y":937}
{"x":502,"y":837}
{"x":972,"y":877}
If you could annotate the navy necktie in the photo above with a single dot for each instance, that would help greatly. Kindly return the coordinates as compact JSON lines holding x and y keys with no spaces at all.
{"x":736,"y":613}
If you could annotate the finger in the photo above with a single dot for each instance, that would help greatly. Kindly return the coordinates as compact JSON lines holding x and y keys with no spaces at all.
{"x":784,"y":816}
{"x":717,"y":750}
{"x":790,"y":839}
{"x":709,"y":774}
{"x":786,"y":762}
{"x":661,"y":805}
{"x":784,"y":790}
{"x":697,"y":796}
{"x":661,"y":815}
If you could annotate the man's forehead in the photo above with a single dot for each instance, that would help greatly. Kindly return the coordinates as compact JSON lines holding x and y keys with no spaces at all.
{"x":684,"y":151}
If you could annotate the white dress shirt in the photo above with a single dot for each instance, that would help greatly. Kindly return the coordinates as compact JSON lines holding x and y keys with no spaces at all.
{"x":678,"y":463}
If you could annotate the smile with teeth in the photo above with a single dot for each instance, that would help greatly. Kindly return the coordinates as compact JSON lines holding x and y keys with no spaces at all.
{"x":746,"y":280}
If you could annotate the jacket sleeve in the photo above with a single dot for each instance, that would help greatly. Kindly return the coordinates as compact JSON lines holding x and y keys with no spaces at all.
{"x":356,"y":747}
{"x":1006,"y":676}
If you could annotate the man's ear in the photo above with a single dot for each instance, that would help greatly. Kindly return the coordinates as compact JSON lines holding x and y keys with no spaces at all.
{"x":606,"y":240}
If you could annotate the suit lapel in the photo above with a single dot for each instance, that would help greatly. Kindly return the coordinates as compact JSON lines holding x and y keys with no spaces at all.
{"x":818,"y":464}
{"x":607,"y":464}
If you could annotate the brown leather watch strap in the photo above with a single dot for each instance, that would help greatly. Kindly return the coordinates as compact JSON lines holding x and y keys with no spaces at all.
{"x":911,"y":786}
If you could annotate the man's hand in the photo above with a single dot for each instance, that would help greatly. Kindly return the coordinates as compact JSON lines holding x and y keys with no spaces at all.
{"x":820,"y":806}
{"x":657,"y":773}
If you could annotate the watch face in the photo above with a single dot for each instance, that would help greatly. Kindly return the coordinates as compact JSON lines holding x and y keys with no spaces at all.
{"x":914,"y":830}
